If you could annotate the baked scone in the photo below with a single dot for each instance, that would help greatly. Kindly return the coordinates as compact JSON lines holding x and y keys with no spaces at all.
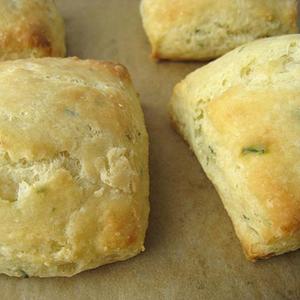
{"x":30,"y":28}
{"x":73,"y":166}
{"x":241,"y":116}
{"x":206,"y":29}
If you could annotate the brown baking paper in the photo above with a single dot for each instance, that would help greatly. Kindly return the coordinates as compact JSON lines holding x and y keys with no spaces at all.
{"x":191,"y":249}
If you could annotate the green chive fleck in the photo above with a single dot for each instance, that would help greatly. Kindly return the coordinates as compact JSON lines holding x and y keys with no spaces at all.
{"x":41,"y":190}
{"x":246,"y":218}
{"x":70,"y":112}
{"x":129,"y":137}
{"x":254,"y":149}
{"x":23,"y":274}
{"x":212,"y":151}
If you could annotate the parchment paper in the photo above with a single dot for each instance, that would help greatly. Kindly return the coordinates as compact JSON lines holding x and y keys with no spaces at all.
{"x":191,"y":249}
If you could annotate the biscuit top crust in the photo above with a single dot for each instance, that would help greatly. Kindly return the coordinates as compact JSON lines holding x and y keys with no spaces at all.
{"x":73,"y":166}
{"x":52,"y":105}
{"x":30,"y":28}
{"x":204,"y":29}
{"x":248,"y":102}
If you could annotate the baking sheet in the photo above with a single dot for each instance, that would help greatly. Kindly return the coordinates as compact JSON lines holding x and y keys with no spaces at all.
{"x":191,"y":249}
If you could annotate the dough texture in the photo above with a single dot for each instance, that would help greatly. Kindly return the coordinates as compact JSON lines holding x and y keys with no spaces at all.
{"x":30,"y":28}
{"x":241,"y":116}
{"x":73,"y":166}
{"x":206,"y":29}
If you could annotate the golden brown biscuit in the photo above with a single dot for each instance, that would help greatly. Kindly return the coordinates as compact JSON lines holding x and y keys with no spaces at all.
{"x":206,"y":29}
{"x":30,"y":28}
{"x":241,"y":116}
{"x":73,"y":166}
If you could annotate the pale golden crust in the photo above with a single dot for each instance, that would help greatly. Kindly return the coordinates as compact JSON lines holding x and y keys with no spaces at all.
{"x":240,"y":114}
{"x":205,"y":29}
{"x":30,"y":28}
{"x":73,"y":166}
{"x":273,"y":127}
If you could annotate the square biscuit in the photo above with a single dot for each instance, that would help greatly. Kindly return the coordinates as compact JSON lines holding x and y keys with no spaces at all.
{"x":240,"y":115}
{"x":206,"y":29}
{"x":74,"y":179}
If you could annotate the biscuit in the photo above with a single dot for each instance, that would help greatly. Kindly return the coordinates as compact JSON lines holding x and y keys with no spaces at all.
{"x":73,"y":166}
{"x":206,"y":29}
{"x":240,"y":115}
{"x":30,"y":28}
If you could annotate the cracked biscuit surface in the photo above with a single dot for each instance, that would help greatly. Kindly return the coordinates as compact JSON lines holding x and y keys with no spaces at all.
{"x":206,"y":29}
{"x":241,"y":116}
{"x":30,"y":28}
{"x":73,"y":166}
